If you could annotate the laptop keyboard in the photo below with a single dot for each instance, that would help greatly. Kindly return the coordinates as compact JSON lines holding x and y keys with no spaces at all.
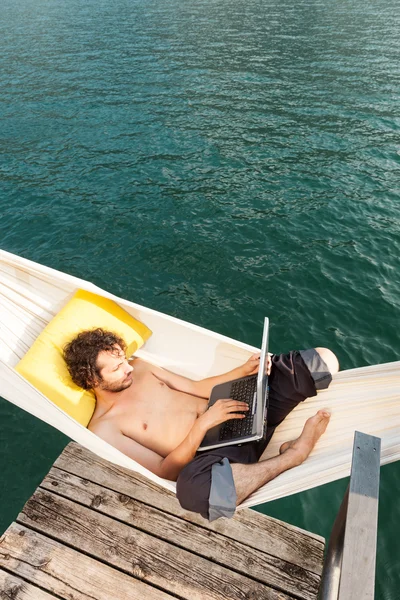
{"x":244,"y":391}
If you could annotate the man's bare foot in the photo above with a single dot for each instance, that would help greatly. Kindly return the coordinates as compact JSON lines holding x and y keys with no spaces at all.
{"x":313,"y":429}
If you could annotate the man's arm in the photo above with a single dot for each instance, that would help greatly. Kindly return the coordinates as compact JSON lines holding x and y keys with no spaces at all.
{"x":170,"y":466}
{"x":203,"y":387}
{"x":250,"y":367}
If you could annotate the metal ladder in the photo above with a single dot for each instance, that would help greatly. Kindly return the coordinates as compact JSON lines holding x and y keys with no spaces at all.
{"x":349,"y":567}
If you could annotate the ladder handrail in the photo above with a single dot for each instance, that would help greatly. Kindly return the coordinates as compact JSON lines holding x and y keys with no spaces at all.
{"x":349,"y":566}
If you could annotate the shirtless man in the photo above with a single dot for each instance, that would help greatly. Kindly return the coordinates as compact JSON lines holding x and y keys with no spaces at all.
{"x":159,"y":418}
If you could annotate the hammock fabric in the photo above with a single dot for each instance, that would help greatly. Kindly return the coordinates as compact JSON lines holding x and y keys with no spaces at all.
{"x":366,"y":399}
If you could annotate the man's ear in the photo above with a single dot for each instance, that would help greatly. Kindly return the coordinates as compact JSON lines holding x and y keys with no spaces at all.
{"x":94,"y":381}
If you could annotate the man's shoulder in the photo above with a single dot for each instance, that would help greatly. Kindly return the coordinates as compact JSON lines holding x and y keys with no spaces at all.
{"x":140,"y":363}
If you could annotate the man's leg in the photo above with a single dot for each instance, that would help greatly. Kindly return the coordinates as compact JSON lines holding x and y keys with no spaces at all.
{"x":248,"y":478}
{"x":215,"y":482}
{"x":296,"y":375}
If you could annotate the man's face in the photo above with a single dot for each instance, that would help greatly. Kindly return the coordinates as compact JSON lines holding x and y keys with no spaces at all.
{"x":115,"y":371}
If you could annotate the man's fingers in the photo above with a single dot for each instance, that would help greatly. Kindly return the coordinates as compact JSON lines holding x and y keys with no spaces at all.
{"x":231,"y":402}
{"x":231,"y":407}
{"x":235,"y":416}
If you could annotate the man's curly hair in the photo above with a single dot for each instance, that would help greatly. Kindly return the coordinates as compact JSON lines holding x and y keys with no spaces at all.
{"x":82,"y":352}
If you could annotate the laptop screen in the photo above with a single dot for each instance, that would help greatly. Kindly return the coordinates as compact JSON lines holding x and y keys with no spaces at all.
{"x":262,"y":379}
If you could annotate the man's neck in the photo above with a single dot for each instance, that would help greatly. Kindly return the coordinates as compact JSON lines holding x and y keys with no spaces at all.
{"x":105,"y":400}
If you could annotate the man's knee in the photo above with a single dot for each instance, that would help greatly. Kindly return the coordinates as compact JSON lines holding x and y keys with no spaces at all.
{"x":322,"y":364}
{"x":329,"y":359}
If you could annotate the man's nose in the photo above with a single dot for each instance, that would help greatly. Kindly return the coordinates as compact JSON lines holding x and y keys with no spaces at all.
{"x":128,"y":369}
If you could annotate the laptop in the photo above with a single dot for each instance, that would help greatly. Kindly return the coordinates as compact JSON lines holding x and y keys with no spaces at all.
{"x":252,"y":389}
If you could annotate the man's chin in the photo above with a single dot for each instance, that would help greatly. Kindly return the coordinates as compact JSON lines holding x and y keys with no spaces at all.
{"x":124,"y":385}
{"x":118,"y":387}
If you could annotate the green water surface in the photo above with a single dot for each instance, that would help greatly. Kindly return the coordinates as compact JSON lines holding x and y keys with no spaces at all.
{"x":217,"y":161}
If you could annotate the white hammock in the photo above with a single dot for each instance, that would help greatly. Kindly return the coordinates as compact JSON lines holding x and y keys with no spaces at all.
{"x":365,"y":399}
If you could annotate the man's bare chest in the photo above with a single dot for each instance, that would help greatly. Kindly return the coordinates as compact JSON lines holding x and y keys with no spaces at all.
{"x":155,"y":415}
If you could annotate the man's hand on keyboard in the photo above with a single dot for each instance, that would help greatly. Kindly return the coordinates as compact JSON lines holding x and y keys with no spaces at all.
{"x":221,"y":411}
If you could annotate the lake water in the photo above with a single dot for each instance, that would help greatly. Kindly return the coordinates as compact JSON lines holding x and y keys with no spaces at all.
{"x":218,"y":161}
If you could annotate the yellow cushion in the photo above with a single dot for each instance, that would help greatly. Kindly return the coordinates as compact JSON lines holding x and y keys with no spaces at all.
{"x":43,"y":365}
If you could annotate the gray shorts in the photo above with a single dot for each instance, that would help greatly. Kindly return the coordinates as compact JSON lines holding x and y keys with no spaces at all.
{"x":206,"y":484}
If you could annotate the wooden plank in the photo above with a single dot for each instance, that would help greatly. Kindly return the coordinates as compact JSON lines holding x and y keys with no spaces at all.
{"x":359,"y":550}
{"x":149,"y":559}
{"x":253,"y":529}
{"x":227,"y":552}
{"x":66,"y":573}
{"x":14,"y":588}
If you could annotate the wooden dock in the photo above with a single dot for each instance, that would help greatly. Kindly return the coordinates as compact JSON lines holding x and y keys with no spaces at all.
{"x":96,"y":531}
